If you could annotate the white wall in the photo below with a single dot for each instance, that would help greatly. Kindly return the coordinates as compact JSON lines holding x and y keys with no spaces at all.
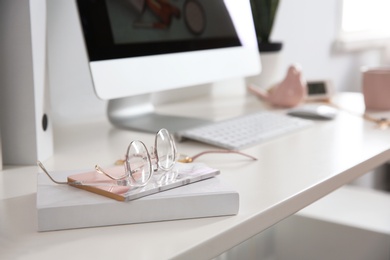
{"x":308,"y":30}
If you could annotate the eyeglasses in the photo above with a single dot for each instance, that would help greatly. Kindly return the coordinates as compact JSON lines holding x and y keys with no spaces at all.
{"x":140,"y":165}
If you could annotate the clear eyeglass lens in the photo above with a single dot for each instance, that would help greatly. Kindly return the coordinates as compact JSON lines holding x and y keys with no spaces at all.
{"x":138,"y":164}
{"x":165,"y":150}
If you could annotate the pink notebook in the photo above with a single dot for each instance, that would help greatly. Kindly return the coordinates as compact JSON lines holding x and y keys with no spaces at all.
{"x":102,"y":185}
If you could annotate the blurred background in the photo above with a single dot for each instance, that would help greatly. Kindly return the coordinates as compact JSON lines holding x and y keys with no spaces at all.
{"x":330,"y":39}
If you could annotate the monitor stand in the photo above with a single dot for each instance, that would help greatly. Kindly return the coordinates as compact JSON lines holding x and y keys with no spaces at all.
{"x":138,"y":113}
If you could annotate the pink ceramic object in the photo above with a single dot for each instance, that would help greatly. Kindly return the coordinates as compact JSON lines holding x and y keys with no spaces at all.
{"x":288,"y":93}
{"x":376,"y":88}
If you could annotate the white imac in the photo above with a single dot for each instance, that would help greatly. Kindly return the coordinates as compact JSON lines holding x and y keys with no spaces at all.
{"x":140,"y":47}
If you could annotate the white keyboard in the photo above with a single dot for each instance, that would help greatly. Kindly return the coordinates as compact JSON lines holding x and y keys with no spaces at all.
{"x":244,"y":131}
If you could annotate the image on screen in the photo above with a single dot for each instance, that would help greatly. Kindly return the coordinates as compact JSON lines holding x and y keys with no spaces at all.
{"x":132,"y":28}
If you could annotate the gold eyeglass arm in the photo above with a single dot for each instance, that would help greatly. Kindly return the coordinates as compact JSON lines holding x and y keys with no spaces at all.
{"x":77,"y":183}
{"x":48,"y":175}
{"x":188,"y":159}
{"x":100,"y":170}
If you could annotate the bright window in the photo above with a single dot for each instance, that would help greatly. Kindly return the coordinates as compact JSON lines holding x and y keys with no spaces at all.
{"x":365,"y":24}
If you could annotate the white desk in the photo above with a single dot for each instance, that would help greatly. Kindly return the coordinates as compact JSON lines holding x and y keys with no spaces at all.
{"x":291,"y":173}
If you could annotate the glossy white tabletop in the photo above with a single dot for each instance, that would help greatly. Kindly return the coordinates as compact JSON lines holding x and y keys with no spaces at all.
{"x":291,"y":172}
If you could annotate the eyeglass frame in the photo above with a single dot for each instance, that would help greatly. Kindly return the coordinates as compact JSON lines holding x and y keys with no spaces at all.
{"x":121,"y":182}
{"x":129,"y":171}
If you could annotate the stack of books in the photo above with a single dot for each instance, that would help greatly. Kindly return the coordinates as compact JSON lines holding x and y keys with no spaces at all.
{"x":196,"y":191}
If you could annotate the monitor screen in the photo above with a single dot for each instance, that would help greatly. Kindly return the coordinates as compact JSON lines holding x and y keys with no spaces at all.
{"x":118,"y":29}
{"x":139,"y":47}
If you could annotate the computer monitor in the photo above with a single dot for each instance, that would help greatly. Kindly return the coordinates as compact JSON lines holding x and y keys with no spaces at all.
{"x":140,"y":47}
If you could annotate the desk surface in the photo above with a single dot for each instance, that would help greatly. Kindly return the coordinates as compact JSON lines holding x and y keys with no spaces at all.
{"x":291,"y":172}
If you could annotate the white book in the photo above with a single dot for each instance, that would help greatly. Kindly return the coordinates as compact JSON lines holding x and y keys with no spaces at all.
{"x":66,"y":207}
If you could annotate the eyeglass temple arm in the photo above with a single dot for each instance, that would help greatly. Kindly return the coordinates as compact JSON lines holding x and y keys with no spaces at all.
{"x":191,"y":159}
{"x":48,"y":175}
{"x":118,"y":182}
{"x":101,"y":171}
